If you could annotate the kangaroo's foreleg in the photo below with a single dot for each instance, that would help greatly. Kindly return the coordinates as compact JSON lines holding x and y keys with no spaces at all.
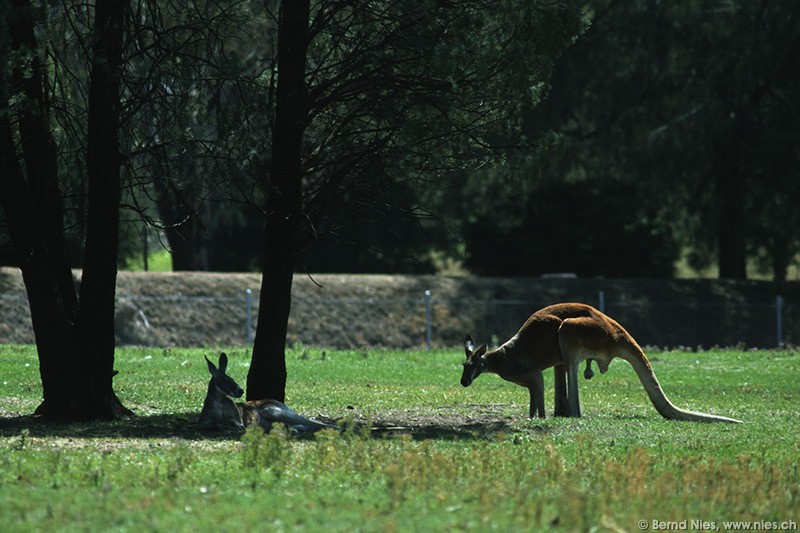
{"x":536,"y":389}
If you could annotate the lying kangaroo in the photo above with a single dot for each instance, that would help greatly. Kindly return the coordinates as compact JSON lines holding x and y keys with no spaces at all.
{"x":561,"y":336}
{"x":220,"y":412}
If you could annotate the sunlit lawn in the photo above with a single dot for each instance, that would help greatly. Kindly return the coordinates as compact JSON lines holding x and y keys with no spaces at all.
{"x":620,"y":464}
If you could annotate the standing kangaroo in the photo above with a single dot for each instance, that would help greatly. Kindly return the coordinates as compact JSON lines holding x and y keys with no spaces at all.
{"x":220,"y":412}
{"x":561,"y":336}
{"x":535,"y":383}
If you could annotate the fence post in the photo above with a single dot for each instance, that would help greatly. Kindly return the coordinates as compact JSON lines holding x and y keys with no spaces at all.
{"x":144,"y":319}
{"x":428,"y":318}
{"x":249,"y":311}
{"x":779,"y":320}
{"x":602,"y":300}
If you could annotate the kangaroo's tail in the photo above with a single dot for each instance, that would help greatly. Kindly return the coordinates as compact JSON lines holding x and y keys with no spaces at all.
{"x":636,"y":357}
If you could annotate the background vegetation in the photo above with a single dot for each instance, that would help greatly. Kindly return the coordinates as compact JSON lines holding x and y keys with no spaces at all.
{"x":619,"y":139}
{"x":467,"y":458}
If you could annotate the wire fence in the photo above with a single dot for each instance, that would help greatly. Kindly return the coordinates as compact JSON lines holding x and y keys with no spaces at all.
{"x":422,"y":321}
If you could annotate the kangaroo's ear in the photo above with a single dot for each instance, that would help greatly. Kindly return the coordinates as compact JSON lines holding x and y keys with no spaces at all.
{"x":481,"y":350}
{"x":223,"y":362}
{"x":469,"y":345}
{"x":211,"y":367}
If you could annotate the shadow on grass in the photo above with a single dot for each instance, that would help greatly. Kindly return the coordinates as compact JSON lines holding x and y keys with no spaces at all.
{"x":182,"y":426}
{"x":163,"y":426}
{"x":434,"y":431}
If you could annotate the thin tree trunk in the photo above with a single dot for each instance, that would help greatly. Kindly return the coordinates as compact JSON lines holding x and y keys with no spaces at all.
{"x":781,"y":257}
{"x":39,"y":152}
{"x":730,"y":193}
{"x":178,"y":210}
{"x":33,"y":206}
{"x":267,"y":375}
{"x":50,"y":313}
{"x":98,"y":284}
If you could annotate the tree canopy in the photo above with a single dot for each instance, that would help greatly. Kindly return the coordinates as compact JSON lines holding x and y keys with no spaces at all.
{"x":691,"y":105}
{"x":434,"y":117}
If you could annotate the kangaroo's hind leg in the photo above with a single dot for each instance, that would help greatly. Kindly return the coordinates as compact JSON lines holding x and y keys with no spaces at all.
{"x":583,"y":338}
{"x":579,"y":339}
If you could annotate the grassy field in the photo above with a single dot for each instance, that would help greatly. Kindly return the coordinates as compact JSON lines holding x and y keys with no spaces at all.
{"x":439,"y":457}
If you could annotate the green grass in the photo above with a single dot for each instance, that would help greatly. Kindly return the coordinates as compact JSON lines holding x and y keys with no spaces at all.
{"x":620,"y":464}
{"x":159,"y":260}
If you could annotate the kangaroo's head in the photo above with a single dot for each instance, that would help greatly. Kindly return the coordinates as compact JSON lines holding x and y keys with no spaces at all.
{"x":475,"y":362}
{"x":222,"y":382}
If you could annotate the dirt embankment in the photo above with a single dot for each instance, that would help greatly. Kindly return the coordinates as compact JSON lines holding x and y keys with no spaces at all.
{"x":366,"y":311}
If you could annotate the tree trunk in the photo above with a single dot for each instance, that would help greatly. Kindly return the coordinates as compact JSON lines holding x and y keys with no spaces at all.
{"x":39,"y":152}
{"x":32,"y":203}
{"x":178,"y":206}
{"x":781,"y":257}
{"x":52,"y":308}
{"x":76,"y":378}
{"x":178,"y":202}
{"x":730,"y":193}
{"x":267,"y":375}
{"x":98,"y":284}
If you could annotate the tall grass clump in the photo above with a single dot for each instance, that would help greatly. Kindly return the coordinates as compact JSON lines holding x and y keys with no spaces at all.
{"x":512,"y":483}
